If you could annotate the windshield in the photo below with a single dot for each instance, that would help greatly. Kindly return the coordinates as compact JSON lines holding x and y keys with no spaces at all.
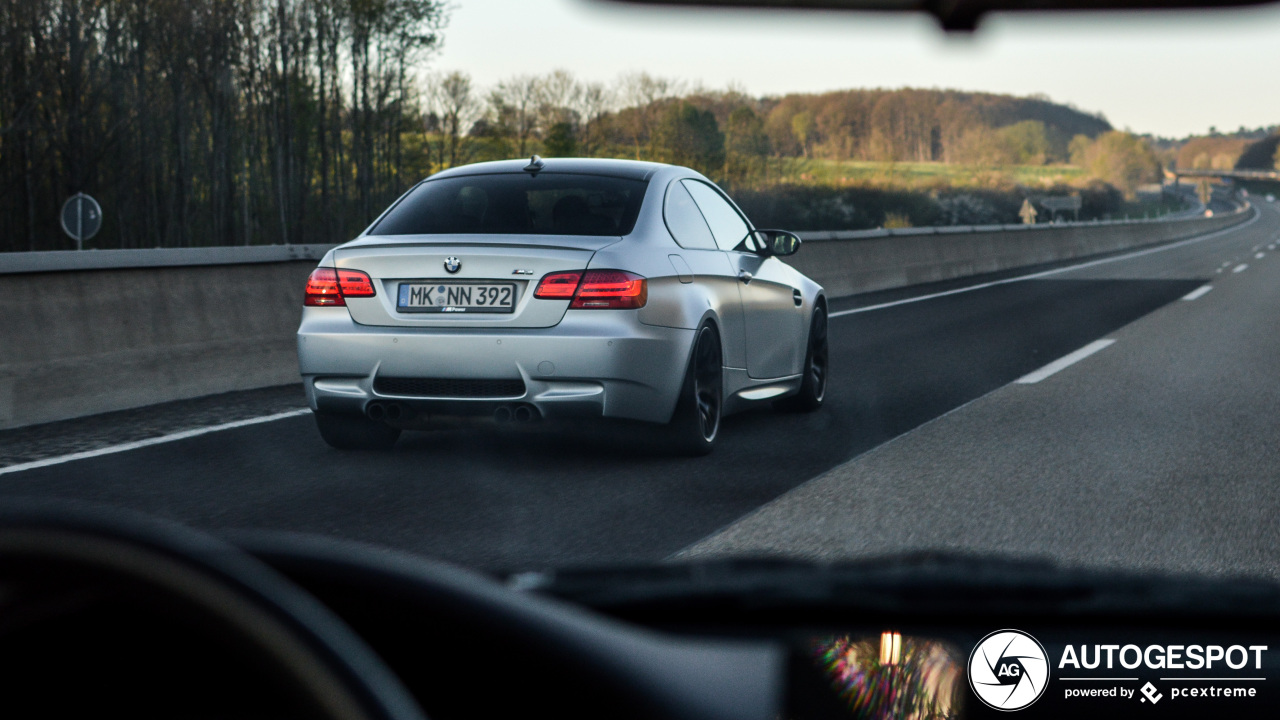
{"x":524,"y":204}
{"x":1028,"y":309}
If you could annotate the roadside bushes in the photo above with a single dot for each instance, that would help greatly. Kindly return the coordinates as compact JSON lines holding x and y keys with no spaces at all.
{"x":819,"y":207}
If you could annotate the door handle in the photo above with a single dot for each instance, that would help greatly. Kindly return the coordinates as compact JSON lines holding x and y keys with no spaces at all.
{"x":797,"y":296}
{"x":745,"y":276}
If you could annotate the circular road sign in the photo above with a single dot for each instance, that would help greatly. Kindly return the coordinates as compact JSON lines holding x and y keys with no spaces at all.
{"x":81,"y":218}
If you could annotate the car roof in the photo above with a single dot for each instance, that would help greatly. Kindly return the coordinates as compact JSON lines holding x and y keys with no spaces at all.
{"x":628,"y":169}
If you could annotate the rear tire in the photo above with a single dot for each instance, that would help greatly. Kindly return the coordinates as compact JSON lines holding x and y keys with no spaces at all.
{"x":352,"y":432}
{"x":813,"y":389}
{"x":695,"y":425}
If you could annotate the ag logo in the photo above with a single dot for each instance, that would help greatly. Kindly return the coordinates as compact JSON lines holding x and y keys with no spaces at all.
{"x":1008,"y":670}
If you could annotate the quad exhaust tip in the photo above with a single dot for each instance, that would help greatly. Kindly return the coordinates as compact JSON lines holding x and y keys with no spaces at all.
{"x":518,"y":413}
{"x":386,"y":411}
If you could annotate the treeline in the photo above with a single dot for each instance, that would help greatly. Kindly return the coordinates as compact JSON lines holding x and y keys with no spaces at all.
{"x":216,"y":122}
{"x":727,"y":132}
{"x":209,"y":122}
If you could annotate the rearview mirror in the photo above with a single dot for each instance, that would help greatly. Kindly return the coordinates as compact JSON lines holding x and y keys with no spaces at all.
{"x":777,"y":242}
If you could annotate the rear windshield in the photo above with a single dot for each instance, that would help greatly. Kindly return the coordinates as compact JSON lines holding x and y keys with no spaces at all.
{"x":542,"y":204}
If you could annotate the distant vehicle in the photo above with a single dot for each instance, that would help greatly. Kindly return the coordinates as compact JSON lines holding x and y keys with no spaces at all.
{"x":564,"y":288}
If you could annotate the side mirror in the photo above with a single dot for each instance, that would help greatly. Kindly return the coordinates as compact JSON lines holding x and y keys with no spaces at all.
{"x":777,"y":242}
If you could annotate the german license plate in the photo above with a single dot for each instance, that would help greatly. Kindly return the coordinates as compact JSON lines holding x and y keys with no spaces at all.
{"x":456,"y":297}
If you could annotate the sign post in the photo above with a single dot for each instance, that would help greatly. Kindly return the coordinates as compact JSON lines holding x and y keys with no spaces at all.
{"x":81,"y":218}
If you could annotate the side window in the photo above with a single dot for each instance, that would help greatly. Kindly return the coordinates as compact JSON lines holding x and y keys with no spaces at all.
{"x":685,"y":221}
{"x":727,"y":225}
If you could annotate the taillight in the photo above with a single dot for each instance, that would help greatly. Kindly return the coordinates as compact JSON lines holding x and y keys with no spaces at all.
{"x":327,"y":287}
{"x":354,"y":283}
{"x":595,"y":289}
{"x":558,"y":286}
{"x":611,"y":289}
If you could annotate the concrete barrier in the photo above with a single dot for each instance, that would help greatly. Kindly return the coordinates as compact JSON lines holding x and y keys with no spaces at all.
{"x":864,"y":261}
{"x":94,"y":331}
{"x":81,"y":342}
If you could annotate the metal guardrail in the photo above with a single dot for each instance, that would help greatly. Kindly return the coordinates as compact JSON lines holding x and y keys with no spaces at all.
{"x":64,"y":260}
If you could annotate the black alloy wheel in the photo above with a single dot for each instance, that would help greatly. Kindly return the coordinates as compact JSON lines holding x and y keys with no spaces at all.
{"x":813,"y":388}
{"x":696,"y":422}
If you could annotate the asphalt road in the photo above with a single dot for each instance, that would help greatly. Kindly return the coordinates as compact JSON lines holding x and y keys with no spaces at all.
{"x":807,"y":484}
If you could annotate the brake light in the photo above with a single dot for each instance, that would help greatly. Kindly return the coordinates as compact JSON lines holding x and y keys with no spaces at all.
{"x":326,"y":287}
{"x":354,"y":283}
{"x":611,"y":289}
{"x":558,"y":286}
{"x":595,"y":289}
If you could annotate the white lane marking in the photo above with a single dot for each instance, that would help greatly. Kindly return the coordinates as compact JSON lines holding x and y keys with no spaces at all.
{"x":124,"y":447}
{"x":1198,"y":292}
{"x":1046,"y":273}
{"x":1063,"y":362}
{"x":1240,"y":268}
{"x":1259,"y":256}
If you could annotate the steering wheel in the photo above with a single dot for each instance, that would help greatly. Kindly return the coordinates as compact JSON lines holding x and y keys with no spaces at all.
{"x":61,"y":564}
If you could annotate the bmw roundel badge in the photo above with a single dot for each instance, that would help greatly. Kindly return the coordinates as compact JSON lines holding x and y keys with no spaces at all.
{"x":452,"y":264}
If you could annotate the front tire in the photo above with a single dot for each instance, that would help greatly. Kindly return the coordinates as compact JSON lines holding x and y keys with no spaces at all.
{"x":696,"y":423}
{"x":813,"y":389}
{"x":351,"y":432}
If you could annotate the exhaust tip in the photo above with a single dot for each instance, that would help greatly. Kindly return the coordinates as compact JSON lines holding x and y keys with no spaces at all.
{"x":524,"y":414}
{"x":376,"y":411}
{"x":502,"y":414}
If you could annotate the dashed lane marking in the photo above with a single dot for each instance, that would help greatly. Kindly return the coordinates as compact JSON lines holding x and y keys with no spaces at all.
{"x":1063,"y":362}
{"x":1198,"y":292}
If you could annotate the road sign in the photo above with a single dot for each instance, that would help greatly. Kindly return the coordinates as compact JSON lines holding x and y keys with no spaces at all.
{"x":1028,"y":213}
{"x":1062,"y":203}
{"x":81,"y":218}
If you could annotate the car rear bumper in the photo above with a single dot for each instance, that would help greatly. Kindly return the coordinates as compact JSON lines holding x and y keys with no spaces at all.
{"x":593,"y":364}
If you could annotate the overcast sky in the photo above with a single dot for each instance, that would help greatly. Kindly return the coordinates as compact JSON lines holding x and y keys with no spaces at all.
{"x":1167,"y":74}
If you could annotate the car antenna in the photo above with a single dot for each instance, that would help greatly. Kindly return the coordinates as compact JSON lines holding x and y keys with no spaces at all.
{"x":535,"y":164}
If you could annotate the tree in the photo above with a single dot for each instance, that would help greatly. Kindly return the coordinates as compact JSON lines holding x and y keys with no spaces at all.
{"x":642,"y":94}
{"x":802,"y":129}
{"x":208,"y":122}
{"x":745,"y":144}
{"x":593,"y":103}
{"x":1027,"y":142}
{"x":514,"y":106}
{"x":1122,"y":159}
{"x":1078,"y":150}
{"x":685,"y":135}
{"x":560,"y":140}
{"x":453,"y":98}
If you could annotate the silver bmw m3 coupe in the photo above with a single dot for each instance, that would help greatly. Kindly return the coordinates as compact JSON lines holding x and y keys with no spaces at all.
{"x":563,"y":288}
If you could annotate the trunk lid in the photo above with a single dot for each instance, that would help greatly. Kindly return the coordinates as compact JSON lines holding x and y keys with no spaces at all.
{"x":487,"y":263}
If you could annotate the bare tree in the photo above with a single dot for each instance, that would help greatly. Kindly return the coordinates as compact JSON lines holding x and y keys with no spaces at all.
{"x":453,"y":99}
{"x":515,"y":105}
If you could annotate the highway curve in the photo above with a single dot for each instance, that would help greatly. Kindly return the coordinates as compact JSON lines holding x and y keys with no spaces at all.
{"x":1178,"y":372}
